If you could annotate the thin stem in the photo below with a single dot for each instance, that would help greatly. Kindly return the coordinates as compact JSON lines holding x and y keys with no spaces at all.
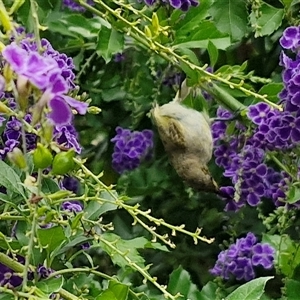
{"x":280,"y":165}
{"x":32,"y":234}
{"x":30,"y":248}
{"x":34,"y":15}
{"x":7,"y":217}
{"x":80,"y":270}
{"x":21,"y":295}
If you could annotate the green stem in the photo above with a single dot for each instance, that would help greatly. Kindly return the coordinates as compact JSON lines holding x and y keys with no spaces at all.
{"x":281,"y":165}
{"x":16,"y":5}
{"x":34,"y":15}
{"x":80,"y":270}
{"x":30,"y":248}
{"x":21,"y":295}
{"x":11,"y":263}
{"x":7,"y":217}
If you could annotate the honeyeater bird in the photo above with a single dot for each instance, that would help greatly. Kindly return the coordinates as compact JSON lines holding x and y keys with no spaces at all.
{"x":187,"y":139}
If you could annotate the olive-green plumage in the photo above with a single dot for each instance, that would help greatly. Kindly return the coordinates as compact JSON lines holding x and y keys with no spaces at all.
{"x":187,"y":139}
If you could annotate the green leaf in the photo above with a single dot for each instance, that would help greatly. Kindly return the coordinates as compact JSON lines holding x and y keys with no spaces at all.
{"x":207,"y":32}
{"x":271,"y":90}
{"x":115,"y":291}
{"x":113,"y":94}
{"x":50,"y":285}
{"x":230,"y":16}
{"x":157,"y":246}
{"x":21,"y":229}
{"x":109,"y":42}
{"x":213,"y":53}
{"x":49,"y":186}
{"x":51,"y":237}
{"x":189,"y":54}
{"x":180,"y":282}
{"x":287,"y":252}
{"x":71,"y":244}
{"x":192,"y":74}
{"x":95,"y":209}
{"x":269,"y":20}
{"x":55,"y":24}
{"x":251,"y":290}
{"x":74,"y":25}
{"x":6,"y":297}
{"x":292,"y":288}
{"x":191,"y":23}
{"x":286,"y":3}
{"x":10,"y":179}
{"x":76,"y":220}
{"x":293,"y":194}
{"x":77,"y":20}
{"x":128,"y":247}
{"x":210,"y":291}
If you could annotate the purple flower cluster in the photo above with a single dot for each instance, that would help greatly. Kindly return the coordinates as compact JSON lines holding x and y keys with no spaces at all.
{"x":70,"y":4}
{"x":243,"y":156}
{"x":131,"y":148}
{"x":184,"y":5}
{"x":52,"y":73}
{"x":240,"y":259}
{"x":11,"y":135}
{"x":46,"y":74}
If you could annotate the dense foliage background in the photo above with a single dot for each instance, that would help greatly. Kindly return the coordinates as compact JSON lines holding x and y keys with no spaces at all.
{"x":96,"y":211}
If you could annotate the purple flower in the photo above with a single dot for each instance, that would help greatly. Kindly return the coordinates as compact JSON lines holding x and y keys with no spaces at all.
{"x":240,"y":259}
{"x":131,"y":148}
{"x":291,"y":38}
{"x":8,"y":277}
{"x":258,"y":112}
{"x":85,"y":246}
{"x":45,"y":73}
{"x":184,"y":5}
{"x":263,"y":254}
{"x":43,"y":272}
{"x":76,"y":7}
{"x":70,"y":184}
{"x":119,"y":57}
{"x":72,"y":206}
{"x":67,"y":136}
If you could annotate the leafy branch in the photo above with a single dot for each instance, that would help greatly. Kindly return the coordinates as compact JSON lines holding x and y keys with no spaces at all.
{"x":168,"y":53}
{"x":134,"y":211}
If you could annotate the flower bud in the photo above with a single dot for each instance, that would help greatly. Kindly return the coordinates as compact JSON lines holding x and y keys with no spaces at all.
{"x":63,"y":162}
{"x":42,"y":157}
{"x":17,"y":157}
{"x":155,"y":24}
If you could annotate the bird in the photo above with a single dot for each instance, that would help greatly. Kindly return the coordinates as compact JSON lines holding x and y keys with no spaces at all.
{"x":187,"y":139}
